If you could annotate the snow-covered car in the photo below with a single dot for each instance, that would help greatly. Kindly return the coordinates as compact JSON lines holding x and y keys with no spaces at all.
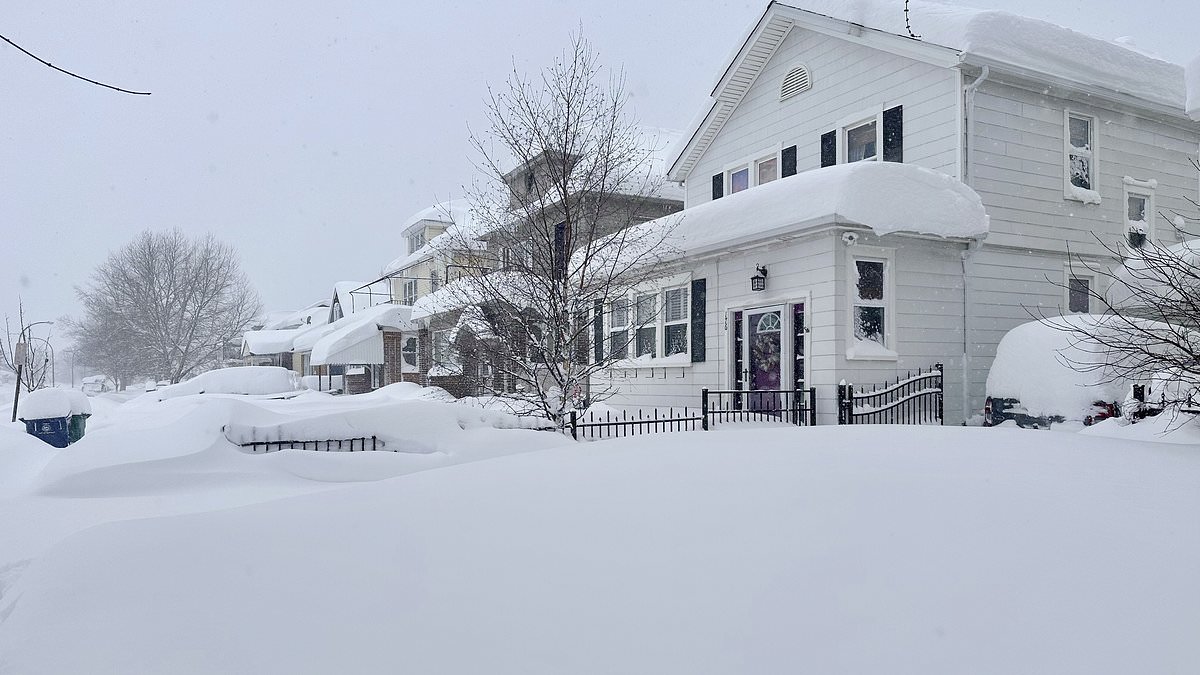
{"x":1045,"y":373}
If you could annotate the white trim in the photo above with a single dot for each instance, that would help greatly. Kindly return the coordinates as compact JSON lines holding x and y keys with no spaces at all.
{"x":960,"y":137}
{"x":788,"y":357}
{"x":890,"y":342}
{"x":872,"y":114}
{"x":1133,"y":187}
{"x":1070,"y":190}
{"x":657,"y":289}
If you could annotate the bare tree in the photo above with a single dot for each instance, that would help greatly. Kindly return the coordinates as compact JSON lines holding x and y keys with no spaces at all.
{"x":554,"y":242}
{"x":1148,"y":313}
{"x":37,"y":365}
{"x":164,"y":305}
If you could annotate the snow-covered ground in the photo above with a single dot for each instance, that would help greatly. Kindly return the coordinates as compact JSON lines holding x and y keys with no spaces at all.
{"x":155,"y":545}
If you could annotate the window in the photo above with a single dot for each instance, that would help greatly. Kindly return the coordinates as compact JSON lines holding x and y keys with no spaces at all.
{"x":441,"y":347}
{"x":739,"y":179}
{"x":530,"y":181}
{"x":675,"y":321}
{"x":410,"y":292}
{"x":1139,"y":211}
{"x":1081,"y":153}
{"x":646,"y":343}
{"x":435,"y":281}
{"x":1079,"y":294}
{"x":767,"y":169}
{"x":862,"y":142}
{"x":618,"y":328}
{"x":415,"y":241}
{"x":408,"y":352}
{"x":870,"y":301}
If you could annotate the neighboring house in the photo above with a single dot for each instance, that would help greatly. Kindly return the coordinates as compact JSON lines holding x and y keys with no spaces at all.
{"x":270,"y":344}
{"x":458,"y":245}
{"x":1071,"y":143}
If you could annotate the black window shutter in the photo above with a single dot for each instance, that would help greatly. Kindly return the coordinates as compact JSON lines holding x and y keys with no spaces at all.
{"x":829,"y":148}
{"x":893,"y":134}
{"x":718,"y":186}
{"x":598,"y":330}
{"x":788,"y":163}
{"x":699,"y":298}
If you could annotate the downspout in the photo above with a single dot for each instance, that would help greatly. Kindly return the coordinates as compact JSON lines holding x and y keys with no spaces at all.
{"x":974,"y":244}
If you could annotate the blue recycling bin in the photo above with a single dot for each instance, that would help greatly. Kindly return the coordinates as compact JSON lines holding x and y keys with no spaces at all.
{"x":53,"y":430}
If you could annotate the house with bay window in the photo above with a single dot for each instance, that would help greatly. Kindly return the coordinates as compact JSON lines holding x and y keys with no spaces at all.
{"x":817,"y":244}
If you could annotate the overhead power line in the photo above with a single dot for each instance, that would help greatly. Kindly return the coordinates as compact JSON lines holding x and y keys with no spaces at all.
{"x":37,"y":58}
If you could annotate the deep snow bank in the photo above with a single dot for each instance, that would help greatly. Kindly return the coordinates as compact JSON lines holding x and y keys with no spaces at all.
{"x":865,"y":549}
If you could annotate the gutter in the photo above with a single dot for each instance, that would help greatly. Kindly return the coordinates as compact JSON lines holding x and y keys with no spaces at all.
{"x":975,"y":242}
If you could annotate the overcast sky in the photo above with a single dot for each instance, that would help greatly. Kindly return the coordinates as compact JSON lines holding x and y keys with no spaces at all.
{"x":305,"y":133}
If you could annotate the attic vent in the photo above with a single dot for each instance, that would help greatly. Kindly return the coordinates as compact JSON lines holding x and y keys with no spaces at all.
{"x":797,"y":81}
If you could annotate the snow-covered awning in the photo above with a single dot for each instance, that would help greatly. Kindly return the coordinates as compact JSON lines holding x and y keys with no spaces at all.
{"x":887,"y":197}
{"x":266,"y":342}
{"x":358,"y":338}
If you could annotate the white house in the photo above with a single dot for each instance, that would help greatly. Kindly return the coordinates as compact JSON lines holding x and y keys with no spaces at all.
{"x":1069,"y":143}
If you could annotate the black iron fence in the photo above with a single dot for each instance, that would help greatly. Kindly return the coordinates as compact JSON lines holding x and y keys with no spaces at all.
{"x":913,"y":399}
{"x":793,"y":406}
{"x":788,"y":406}
{"x":334,"y":445}
{"x":618,"y":424}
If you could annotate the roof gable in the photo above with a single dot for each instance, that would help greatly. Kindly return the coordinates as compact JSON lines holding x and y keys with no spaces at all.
{"x":947,"y":36}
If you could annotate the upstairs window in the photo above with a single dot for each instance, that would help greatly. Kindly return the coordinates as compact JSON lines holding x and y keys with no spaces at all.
{"x":862,"y":142}
{"x":1080,"y":158}
{"x":410,"y":292}
{"x":1139,"y":211}
{"x":739,"y":179}
{"x":767,"y":169}
{"x":415,"y":241}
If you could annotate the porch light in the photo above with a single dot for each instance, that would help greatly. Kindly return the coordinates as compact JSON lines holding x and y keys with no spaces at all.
{"x":758,"y":282}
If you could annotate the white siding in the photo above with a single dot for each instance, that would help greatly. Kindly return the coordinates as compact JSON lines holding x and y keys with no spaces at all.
{"x":928,"y":306}
{"x":847,"y":79}
{"x":1018,"y":170}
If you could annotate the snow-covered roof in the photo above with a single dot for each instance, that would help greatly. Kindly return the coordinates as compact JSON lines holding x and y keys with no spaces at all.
{"x":265,"y":342}
{"x":351,"y":330}
{"x":884,"y":196}
{"x":465,"y":292}
{"x":999,"y":39}
{"x":1193,"y":88}
{"x":460,"y":224}
{"x":317,"y":313}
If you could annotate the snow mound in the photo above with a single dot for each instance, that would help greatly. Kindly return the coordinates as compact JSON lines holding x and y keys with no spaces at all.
{"x":944,"y":550}
{"x":44,"y":403}
{"x":248,"y":380}
{"x":1054,"y":371}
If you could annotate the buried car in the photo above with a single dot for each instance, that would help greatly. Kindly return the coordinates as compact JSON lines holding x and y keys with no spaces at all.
{"x":1046,"y":372}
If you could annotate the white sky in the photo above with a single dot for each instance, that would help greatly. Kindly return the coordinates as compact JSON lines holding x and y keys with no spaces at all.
{"x":305,"y":133}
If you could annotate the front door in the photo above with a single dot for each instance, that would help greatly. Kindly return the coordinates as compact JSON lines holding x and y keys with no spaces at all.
{"x":763,"y":345}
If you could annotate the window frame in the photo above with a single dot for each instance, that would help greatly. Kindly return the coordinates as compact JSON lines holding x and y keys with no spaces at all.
{"x":751,"y":163}
{"x":440,"y":340}
{"x":416,"y":237}
{"x":409,"y":292}
{"x":1070,"y":274}
{"x":890,"y":343}
{"x":1145,"y":190}
{"x":848,"y":124}
{"x":657,"y":321}
{"x":1069,"y":188}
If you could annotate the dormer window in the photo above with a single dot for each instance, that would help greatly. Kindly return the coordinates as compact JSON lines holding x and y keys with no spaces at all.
{"x":415,"y":241}
{"x":530,"y":181}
